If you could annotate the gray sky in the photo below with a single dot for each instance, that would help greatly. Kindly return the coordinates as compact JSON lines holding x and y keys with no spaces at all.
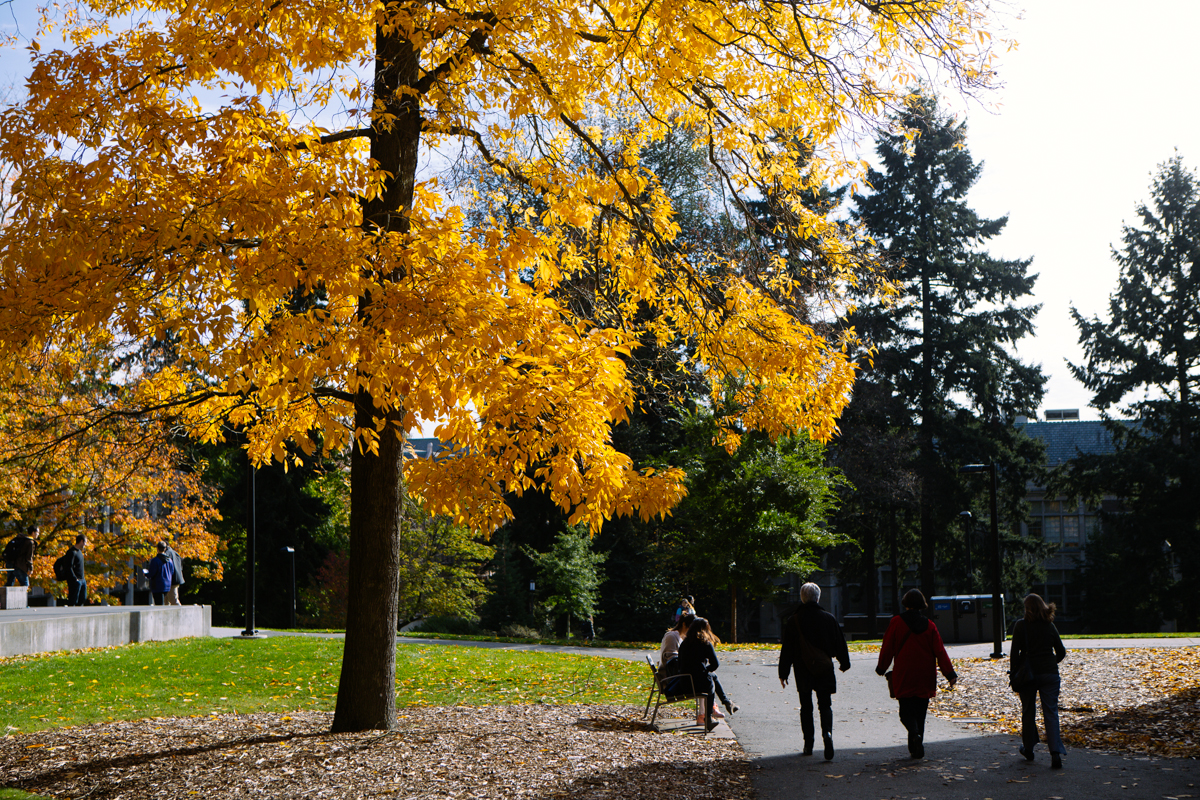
{"x":1094,"y":98}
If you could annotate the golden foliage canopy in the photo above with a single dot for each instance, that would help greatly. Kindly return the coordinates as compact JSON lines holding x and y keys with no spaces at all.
{"x":202,"y":171}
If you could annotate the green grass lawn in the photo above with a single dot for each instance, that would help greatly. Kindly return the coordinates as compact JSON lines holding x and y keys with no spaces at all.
{"x":213,"y":676}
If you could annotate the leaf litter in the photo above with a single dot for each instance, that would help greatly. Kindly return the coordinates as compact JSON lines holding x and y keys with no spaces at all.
{"x":1131,"y":700}
{"x":584,"y":752}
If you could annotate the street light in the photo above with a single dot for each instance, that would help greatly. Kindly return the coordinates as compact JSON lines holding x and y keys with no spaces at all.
{"x":292,"y":553}
{"x":997,"y":603}
{"x":967,"y":522}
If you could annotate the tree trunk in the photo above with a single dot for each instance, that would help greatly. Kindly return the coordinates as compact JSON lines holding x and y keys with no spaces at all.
{"x":928,"y":456}
{"x":367,"y":688}
{"x":366,"y":698}
{"x":870,"y":581}
{"x":733,"y":614}
{"x":895,"y":564}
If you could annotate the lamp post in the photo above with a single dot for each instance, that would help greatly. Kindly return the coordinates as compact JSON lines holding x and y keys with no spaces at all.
{"x":997,"y":603}
{"x":967,"y":519}
{"x":290,"y":551}
{"x":251,"y":530}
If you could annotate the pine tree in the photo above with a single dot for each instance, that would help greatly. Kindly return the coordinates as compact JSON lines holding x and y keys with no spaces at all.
{"x":944,"y":344}
{"x":1147,"y":356}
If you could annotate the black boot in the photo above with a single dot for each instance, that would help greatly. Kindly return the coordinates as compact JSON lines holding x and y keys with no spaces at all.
{"x":916,"y":748}
{"x":808,"y":747}
{"x":1055,"y":761}
{"x":827,"y":737}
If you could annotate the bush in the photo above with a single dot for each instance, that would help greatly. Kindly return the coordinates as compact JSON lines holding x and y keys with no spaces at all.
{"x":517,"y":631}
{"x":456,"y":626}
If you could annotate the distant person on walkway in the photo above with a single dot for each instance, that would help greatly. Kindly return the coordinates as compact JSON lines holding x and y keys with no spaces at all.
{"x":1036,"y":640}
{"x":161,"y":573}
{"x":913,"y":641}
{"x":812,"y":639}
{"x":76,"y":581}
{"x":177,"y":576}
{"x":18,"y":556}
{"x":684,"y":607}
{"x":698,"y":658}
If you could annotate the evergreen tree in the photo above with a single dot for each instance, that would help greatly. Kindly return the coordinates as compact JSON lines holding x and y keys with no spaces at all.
{"x":1147,"y":357}
{"x":944,"y":344}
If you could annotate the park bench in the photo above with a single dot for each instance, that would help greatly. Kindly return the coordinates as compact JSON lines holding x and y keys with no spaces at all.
{"x":667,"y":689}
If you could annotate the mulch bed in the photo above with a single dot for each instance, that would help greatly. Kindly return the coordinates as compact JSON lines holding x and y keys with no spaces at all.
{"x":1128,"y":701}
{"x":536,"y":751}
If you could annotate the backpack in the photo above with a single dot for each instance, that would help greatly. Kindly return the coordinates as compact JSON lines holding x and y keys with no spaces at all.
{"x":10,"y":551}
{"x":62,"y":567}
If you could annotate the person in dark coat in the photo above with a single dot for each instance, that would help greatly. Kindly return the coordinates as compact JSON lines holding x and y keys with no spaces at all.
{"x":812,"y":639}
{"x":18,"y":556}
{"x":698,"y":658}
{"x":161,"y":573}
{"x":76,"y":580}
{"x":1035,"y":639}
{"x":913,"y":641}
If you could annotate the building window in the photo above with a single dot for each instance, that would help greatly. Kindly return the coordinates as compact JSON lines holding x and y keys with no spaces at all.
{"x":1070,"y":531}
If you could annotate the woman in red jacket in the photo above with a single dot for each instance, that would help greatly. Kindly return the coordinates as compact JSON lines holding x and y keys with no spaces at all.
{"x":913,"y":641}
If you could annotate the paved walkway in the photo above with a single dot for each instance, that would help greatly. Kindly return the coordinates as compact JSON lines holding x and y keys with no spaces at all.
{"x":962,"y":762}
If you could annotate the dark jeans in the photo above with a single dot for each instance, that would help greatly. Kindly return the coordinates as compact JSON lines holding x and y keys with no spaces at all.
{"x":912,"y":716}
{"x":158,"y":598}
{"x":1048,"y":687}
{"x":720,"y":692}
{"x":76,"y":592}
{"x":824,"y":705}
{"x":17,"y":578}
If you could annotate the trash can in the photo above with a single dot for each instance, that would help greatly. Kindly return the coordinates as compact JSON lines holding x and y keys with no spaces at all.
{"x":964,"y":617}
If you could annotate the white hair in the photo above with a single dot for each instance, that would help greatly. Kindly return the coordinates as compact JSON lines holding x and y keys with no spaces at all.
{"x":810,"y":593}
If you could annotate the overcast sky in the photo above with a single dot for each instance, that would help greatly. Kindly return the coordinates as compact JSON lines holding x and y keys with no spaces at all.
{"x":1094,"y":98}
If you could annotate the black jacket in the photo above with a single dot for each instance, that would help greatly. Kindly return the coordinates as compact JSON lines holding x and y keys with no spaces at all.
{"x":1040,"y":643}
{"x":19,"y":553}
{"x":75,"y":570}
{"x":821,"y":631}
{"x":698,"y":658}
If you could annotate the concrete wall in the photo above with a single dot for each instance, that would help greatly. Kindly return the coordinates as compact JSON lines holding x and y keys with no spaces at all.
{"x":37,"y":633}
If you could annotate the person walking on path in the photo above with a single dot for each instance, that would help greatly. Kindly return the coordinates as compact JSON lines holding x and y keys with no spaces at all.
{"x":162,"y":572}
{"x":913,"y":641}
{"x":18,"y":556}
{"x":177,"y":576}
{"x":1035,"y":640}
{"x":812,"y":639}
{"x":76,"y":581}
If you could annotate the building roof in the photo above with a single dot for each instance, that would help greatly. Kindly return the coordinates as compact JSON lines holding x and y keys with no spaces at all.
{"x":1064,"y":440}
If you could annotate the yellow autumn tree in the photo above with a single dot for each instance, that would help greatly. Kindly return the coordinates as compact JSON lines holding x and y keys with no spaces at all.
{"x":257,"y":180}
{"x":71,"y":465}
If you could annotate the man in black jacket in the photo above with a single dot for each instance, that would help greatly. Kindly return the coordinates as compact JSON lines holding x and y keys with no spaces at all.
{"x":18,"y":556}
{"x":812,"y":639}
{"x":76,"y":583}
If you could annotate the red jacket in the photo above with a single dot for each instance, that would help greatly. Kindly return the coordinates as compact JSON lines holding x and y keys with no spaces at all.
{"x":913,"y":641}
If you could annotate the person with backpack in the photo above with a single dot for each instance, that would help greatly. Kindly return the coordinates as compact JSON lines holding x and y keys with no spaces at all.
{"x":161,"y":574}
{"x":18,"y":556}
{"x":76,"y":580}
{"x":913,"y":641}
{"x":812,"y":639}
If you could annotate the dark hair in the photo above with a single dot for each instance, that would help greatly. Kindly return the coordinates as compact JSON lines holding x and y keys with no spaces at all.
{"x":700,"y":629}
{"x":914,"y":599}
{"x":685,"y":621}
{"x":1037,"y":610}
{"x":80,"y":538}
